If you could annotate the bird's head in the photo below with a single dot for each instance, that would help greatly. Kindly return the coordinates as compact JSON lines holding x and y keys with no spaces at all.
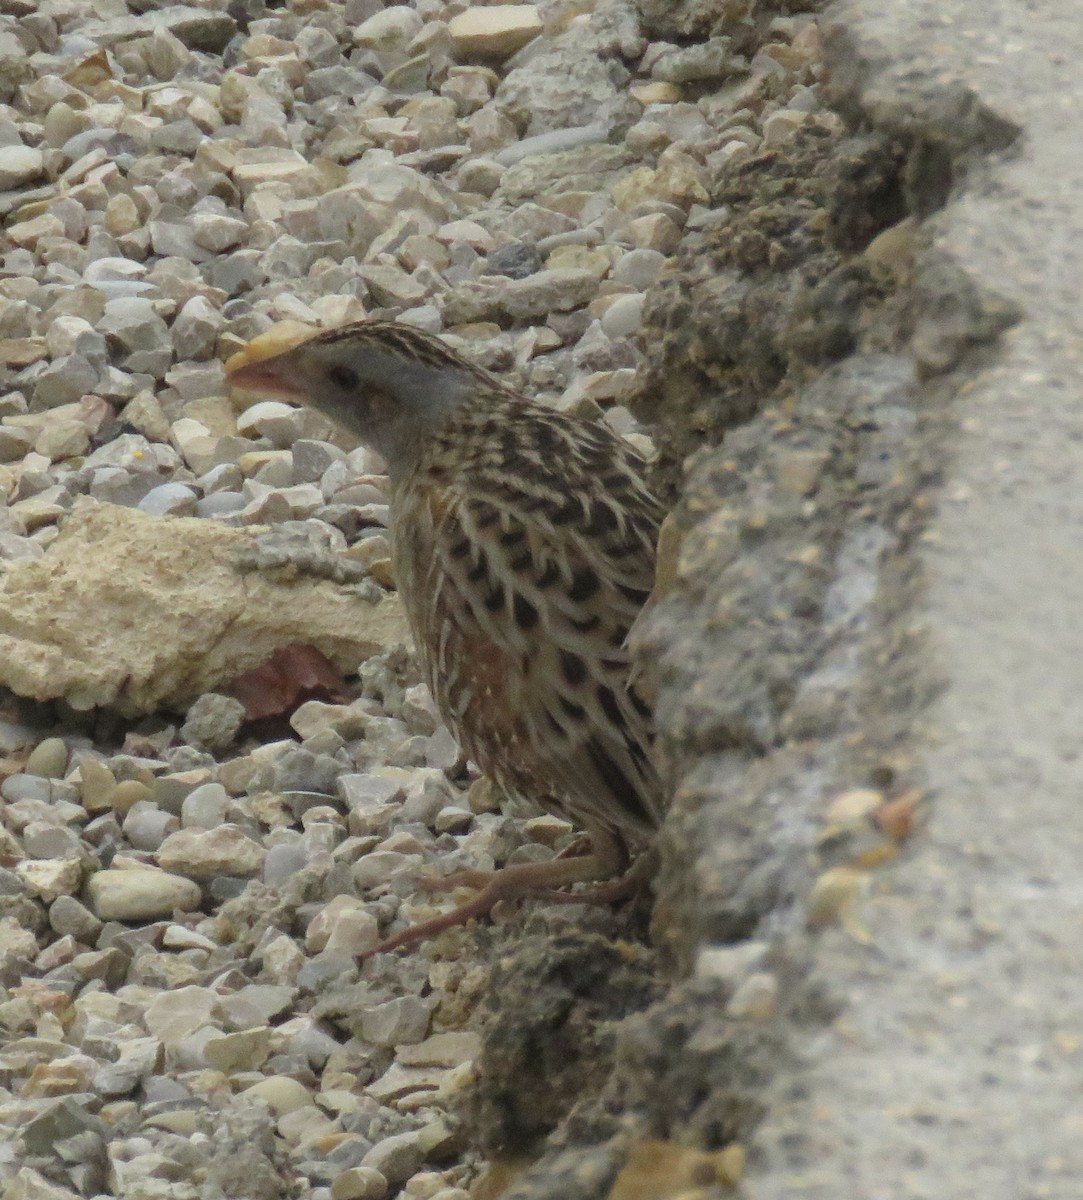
{"x":387,"y":384}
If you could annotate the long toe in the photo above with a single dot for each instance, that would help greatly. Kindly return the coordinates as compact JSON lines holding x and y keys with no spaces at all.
{"x":509,"y":883}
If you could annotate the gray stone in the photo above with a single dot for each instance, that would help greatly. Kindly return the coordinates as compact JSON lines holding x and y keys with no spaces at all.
{"x":146,"y":826}
{"x":391,"y":29}
{"x":204,"y":807}
{"x":638,"y":268}
{"x":134,"y":324}
{"x":534,"y":297}
{"x":64,"y":381}
{"x":397,"y":1157}
{"x":14,"y":444}
{"x":41,"y":840}
{"x":551,"y":143}
{"x":196,"y":329}
{"x":311,"y":460}
{"x":59,"y":1121}
{"x":194,"y":28}
{"x":69,"y":918}
{"x":282,"y":861}
{"x":691,"y":64}
{"x":21,"y":786}
{"x":404,"y":1019}
{"x":213,"y":721}
{"x":565,"y":86}
{"x":218,"y":232}
{"x":168,"y":499}
{"x":359,"y":1183}
{"x":137,"y":1058}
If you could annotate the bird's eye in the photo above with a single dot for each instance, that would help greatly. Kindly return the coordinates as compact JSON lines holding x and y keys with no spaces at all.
{"x":343,"y":377}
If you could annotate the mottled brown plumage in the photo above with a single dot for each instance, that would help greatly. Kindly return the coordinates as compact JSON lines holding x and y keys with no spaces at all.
{"x":523,"y":548}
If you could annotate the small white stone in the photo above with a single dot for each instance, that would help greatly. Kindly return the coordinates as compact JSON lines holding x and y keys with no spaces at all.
{"x":280,"y":1093}
{"x":321,"y":929}
{"x":19,"y":165}
{"x":622,"y":318}
{"x":638,"y":268}
{"x":139,"y":895}
{"x":392,"y":29}
{"x":780,"y":125}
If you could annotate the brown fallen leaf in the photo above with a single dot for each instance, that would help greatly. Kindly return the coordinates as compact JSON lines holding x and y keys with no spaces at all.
{"x":292,"y":675}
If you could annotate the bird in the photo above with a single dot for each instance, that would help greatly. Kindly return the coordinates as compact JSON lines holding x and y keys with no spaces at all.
{"x":523,"y":545}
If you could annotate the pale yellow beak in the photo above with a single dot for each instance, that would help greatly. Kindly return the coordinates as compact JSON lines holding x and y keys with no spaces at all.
{"x":263,"y":366}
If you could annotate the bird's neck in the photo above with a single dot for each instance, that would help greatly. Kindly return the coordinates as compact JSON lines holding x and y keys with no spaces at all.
{"x":415,"y":430}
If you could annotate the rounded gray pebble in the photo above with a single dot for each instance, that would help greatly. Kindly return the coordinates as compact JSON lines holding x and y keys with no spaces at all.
{"x":51,"y":841}
{"x":146,"y":826}
{"x":29,"y":787}
{"x":282,"y":861}
{"x":69,"y":918}
{"x":220,"y":504}
{"x":638,"y":268}
{"x":169,"y":499}
{"x":205,"y":807}
{"x":622,"y":318}
{"x":396,"y":1158}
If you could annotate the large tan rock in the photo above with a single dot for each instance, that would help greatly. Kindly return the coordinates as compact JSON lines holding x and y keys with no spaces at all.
{"x":141,"y":612}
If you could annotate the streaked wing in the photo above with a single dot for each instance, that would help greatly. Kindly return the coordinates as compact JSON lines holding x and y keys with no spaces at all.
{"x":532,"y":568}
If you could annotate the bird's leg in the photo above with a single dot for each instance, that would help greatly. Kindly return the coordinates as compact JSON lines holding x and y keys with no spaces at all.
{"x":607,"y":858}
{"x":628,"y":884}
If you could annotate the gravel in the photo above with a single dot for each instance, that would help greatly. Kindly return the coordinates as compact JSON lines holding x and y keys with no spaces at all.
{"x":183,"y":899}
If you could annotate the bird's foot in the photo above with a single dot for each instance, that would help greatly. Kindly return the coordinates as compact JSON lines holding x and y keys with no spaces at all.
{"x":612,"y":892}
{"x":511,"y":883}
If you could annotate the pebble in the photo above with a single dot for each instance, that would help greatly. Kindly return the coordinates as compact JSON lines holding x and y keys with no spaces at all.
{"x":48,"y":759}
{"x":69,"y":918}
{"x":139,"y":895}
{"x":173,"y":1015}
{"x":396,"y":1158}
{"x":204,"y":807}
{"x":246,"y":1050}
{"x":493,"y":33}
{"x":50,"y":878}
{"x":207,"y":853}
{"x":622,"y":318}
{"x":402,"y":1020}
{"x":19,"y":165}
{"x":146,"y":826}
{"x":359,"y":1183}
{"x":281,"y":1094}
{"x":169,"y":499}
{"x":638,"y":268}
